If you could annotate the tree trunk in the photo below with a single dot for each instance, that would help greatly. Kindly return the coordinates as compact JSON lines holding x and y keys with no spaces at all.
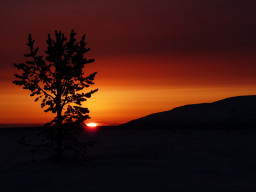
{"x":59,"y":137}
{"x":59,"y":134}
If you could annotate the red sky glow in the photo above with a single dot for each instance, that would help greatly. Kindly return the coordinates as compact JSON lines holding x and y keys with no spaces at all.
{"x":151,"y":56}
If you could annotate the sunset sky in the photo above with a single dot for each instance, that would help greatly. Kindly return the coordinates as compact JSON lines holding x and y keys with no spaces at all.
{"x":151,"y":55}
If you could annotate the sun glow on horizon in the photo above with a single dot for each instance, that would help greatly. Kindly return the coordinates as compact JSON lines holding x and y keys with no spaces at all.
{"x":92,"y":125}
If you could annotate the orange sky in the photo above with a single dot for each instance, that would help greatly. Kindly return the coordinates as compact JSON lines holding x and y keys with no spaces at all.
{"x":150,"y":55}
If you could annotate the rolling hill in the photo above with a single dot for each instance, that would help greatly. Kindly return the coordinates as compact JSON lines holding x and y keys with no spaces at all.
{"x":233,"y":111}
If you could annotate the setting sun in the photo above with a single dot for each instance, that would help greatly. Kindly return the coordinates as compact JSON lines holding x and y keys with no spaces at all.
{"x":92,"y":124}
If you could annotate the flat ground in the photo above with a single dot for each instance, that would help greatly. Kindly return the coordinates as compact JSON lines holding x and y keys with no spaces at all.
{"x":136,"y":160}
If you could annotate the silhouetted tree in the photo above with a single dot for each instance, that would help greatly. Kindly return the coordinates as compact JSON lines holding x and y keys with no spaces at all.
{"x":57,"y":80}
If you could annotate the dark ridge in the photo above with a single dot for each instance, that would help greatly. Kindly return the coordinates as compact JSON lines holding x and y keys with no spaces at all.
{"x":231,"y":112}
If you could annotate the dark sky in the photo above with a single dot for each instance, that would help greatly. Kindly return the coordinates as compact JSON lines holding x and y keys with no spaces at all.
{"x":136,"y":27}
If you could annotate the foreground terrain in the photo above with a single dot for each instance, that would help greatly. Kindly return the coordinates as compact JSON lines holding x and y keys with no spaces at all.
{"x":135,"y":160}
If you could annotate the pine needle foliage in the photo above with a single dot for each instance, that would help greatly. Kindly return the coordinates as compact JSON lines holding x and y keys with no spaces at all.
{"x":57,"y":80}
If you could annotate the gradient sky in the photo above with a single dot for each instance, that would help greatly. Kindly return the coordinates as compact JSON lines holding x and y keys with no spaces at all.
{"x":151,"y":55}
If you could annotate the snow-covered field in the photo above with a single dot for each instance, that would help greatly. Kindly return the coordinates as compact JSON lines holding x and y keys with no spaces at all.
{"x":136,"y":160}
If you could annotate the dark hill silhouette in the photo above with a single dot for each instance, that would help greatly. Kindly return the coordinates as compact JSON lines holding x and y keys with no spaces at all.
{"x":233,"y":111}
